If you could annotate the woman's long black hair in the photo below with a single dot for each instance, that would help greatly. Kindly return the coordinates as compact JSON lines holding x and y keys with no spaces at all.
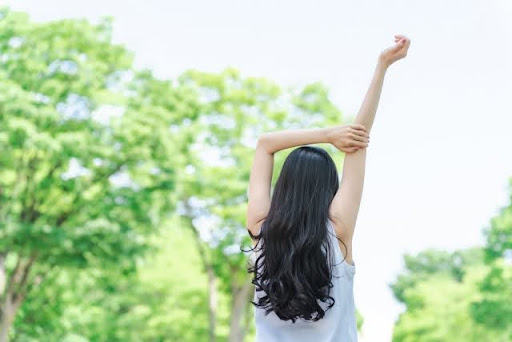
{"x":294,"y":262}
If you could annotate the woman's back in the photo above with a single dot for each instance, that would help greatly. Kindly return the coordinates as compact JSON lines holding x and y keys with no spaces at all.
{"x":339,"y":322}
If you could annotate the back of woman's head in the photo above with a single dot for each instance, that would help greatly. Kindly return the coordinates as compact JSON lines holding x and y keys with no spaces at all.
{"x":293,"y":266}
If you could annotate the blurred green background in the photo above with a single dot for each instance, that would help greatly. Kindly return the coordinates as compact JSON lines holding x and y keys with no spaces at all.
{"x":115,"y":227}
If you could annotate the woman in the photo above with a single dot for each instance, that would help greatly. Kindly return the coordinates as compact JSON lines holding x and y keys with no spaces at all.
{"x":302,"y":236}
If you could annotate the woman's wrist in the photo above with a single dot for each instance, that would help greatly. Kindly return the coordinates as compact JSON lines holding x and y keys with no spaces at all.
{"x":382,"y":66}
{"x":330,"y":134}
{"x":326,"y":134}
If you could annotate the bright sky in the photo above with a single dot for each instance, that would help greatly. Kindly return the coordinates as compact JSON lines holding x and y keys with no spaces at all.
{"x":439,"y":157}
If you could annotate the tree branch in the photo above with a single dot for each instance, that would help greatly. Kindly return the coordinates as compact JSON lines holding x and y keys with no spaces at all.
{"x":12,"y":277}
{"x":200,"y":246}
{"x":23,"y":281}
{"x":18,"y":279}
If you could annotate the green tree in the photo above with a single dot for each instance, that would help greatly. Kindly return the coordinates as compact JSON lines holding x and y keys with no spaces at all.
{"x":437,"y":289}
{"x":494,"y":309}
{"x":89,"y":155}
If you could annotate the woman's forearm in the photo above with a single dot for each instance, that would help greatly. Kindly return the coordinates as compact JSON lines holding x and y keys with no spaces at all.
{"x":366,"y":114}
{"x":280,"y":140}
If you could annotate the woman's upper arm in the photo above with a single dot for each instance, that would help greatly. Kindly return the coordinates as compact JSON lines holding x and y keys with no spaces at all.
{"x":345,"y":204}
{"x":259,"y":187}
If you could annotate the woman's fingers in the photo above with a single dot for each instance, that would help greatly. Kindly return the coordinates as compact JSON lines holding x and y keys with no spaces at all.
{"x":359,"y":130}
{"x":407,"y":43}
{"x":361,"y":137}
{"x":358,"y":127}
{"x":351,"y":149}
{"x":399,"y":45}
{"x":355,"y":143}
{"x":402,"y":40}
{"x":405,"y":47}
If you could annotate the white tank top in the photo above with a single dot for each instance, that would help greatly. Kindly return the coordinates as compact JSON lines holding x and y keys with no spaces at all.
{"x":339,"y":322}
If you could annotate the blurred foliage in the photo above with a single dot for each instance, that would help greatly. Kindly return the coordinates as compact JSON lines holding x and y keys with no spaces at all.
{"x":437,"y":289}
{"x":122,"y":196}
{"x":164,"y":301}
{"x":89,"y":164}
{"x":494,"y":309}
{"x":461,"y":296}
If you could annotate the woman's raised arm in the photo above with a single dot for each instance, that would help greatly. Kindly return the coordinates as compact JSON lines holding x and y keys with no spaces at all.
{"x":345,"y":205}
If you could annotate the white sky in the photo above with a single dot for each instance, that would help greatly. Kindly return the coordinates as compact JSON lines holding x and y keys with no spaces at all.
{"x":439,"y":157}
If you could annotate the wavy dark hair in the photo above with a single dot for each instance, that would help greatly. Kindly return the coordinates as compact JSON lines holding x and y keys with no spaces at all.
{"x":294,"y":262}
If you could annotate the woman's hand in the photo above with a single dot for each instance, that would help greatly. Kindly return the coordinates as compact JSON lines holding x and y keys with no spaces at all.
{"x":395,"y":52}
{"x":348,"y":138}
